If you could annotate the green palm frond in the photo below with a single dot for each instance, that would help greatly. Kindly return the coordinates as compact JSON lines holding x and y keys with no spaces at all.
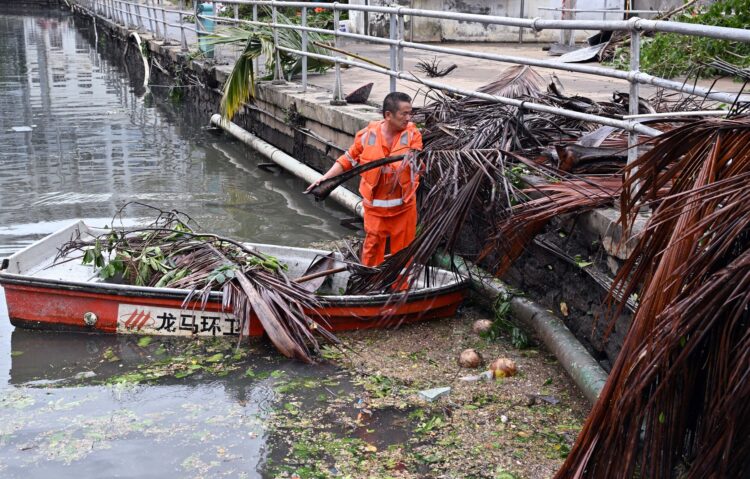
{"x":241,"y":82}
{"x":240,"y":86}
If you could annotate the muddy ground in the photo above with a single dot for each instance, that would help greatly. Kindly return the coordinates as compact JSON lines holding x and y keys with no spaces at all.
{"x":518,"y":427}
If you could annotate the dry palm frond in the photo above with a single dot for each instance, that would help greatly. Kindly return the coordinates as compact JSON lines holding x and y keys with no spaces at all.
{"x":326,"y":187}
{"x":676,"y":402}
{"x":472,"y":123}
{"x":433,"y":69}
{"x":461,"y":186}
{"x":169,"y":253}
{"x":517,"y":81}
{"x":410,"y":262}
{"x":558,"y":198}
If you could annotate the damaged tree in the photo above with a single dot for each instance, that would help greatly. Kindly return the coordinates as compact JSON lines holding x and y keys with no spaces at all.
{"x":676,"y":402}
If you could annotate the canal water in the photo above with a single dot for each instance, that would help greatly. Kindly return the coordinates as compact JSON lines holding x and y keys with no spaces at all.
{"x":79,"y":141}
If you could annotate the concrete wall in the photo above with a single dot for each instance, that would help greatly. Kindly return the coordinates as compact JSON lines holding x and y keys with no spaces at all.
{"x":435,"y":30}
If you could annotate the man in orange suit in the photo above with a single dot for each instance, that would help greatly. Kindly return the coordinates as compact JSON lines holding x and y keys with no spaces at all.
{"x":388,"y":192}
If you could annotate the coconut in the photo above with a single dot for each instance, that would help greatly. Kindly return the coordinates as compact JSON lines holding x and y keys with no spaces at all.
{"x":503,"y":368}
{"x":482,"y":326}
{"x":469,"y":358}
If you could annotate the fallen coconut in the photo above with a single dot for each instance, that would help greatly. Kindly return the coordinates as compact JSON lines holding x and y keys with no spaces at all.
{"x":469,"y":358}
{"x":503,"y":368}
{"x":481,"y":326}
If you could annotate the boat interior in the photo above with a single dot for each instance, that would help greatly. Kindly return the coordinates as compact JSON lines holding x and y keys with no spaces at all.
{"x":39,"y":260}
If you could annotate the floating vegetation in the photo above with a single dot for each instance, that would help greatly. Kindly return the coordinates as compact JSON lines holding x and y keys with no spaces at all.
{"x":216,"y":357}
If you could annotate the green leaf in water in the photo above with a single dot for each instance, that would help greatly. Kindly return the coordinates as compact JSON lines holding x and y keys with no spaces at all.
{"x":144,"y":341}
{"x":109,"y":355}
{"x":293,"y":410}
{"x":215,"y":358}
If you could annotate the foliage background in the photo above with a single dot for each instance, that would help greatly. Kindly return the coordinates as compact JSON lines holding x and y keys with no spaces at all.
{"x":670,"y":55}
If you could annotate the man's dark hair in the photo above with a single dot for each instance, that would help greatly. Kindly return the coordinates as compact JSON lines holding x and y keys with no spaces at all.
{"x":392,"y":100}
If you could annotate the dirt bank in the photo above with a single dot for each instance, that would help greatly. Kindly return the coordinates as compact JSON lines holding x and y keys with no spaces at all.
{"x":519,"y":427}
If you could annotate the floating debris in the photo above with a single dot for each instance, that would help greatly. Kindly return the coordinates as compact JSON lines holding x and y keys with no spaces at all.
{"x":433,"y":394}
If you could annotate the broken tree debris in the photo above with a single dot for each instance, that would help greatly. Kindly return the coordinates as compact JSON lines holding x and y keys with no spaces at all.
{"x":169,"y":252}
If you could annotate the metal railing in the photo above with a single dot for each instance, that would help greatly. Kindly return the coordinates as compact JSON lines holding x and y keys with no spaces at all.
{"x":125,"y":11}
{"x":144,"y":16}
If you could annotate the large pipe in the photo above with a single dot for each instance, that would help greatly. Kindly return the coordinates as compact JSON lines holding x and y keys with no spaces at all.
{"x":342,"y":196}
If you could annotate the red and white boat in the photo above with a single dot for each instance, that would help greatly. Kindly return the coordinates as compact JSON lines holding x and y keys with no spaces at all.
{"x":70,"y":296}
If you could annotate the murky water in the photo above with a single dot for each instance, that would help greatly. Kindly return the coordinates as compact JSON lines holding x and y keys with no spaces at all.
{"x":78,"y":142}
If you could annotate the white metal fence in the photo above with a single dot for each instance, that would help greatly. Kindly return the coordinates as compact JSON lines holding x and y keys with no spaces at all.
{"x":157,"y":20}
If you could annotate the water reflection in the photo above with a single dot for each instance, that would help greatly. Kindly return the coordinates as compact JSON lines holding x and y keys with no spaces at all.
{"x":93,"y":144}
{"x":192,"y":428}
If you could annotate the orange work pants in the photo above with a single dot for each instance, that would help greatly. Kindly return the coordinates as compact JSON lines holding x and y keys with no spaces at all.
{"x":401,"y":229}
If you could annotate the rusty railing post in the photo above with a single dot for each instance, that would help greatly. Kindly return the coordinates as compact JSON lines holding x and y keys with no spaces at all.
{"x":303,"y":22}
{"x":338,"y":94}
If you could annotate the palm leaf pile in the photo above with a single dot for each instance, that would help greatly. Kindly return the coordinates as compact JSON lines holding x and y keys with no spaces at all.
{"x":676,"y":402}
{"x":169,"y":253}
{"x":492,"y":159}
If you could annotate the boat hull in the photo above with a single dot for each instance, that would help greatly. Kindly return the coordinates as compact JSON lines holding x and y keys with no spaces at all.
{"x":56,"y":307}
{"x":44,"y":293}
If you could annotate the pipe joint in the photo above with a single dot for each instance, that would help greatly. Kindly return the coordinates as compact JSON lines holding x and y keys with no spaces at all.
{"x":635,"y":76}
{"x":534,"y":25}
{"x":635,"y":24}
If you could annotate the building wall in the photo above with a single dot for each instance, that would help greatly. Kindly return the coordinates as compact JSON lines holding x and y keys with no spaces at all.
{"x":436,"y":30}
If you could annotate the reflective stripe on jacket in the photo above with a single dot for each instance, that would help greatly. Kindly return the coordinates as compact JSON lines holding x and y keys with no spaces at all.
{"x":387,"y":189}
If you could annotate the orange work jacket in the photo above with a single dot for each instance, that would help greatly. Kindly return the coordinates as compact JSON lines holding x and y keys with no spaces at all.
{"x":390,"y":189}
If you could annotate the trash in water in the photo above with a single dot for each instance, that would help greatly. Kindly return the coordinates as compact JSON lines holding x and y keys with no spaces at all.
{"x":432,"y":394}
{"x":485,"y":376}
